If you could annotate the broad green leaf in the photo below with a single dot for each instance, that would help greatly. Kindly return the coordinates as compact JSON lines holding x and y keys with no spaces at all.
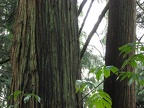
{"x":106,"y":104}
{"x":127,"y":48}
{"x":113,"y":69}
{"x":140,"y":57}
{"x":132,"y":78}
{"x":133,"y":63}
{"x":100,"y":99}
{"x":126,"y":61}
{"x":98,"y":74}
{"x":106,"y":72}
{"x":105,"y":96}
{"x":125,"y":75}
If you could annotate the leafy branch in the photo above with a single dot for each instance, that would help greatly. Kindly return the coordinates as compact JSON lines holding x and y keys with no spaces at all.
{"x":108,"y":71}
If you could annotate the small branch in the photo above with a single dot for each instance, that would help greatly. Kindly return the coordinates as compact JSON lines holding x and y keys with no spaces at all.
{"x":100,"y":42}
{"x":4,"y":61}
{"x":95,"y":87}
{"x":140,"y":21}
{"x":85,"y":17}
{"x":81,"y":6}
{"x":91,"y":91}
{"x":94,"y":30}
{"x":139,"y":5}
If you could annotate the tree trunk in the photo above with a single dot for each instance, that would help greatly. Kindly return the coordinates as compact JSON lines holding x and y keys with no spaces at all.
{"x":45,"y":53}
{"x":121,"y":30}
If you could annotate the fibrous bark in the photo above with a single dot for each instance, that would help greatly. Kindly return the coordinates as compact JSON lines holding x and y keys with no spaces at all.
{"x":121,"y":30}
{"x":45,"y":53}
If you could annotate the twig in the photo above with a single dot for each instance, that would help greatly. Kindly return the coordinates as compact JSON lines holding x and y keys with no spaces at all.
{"x":94,"y":30}
{"x":85,"y":17}
{"x":90,"y":92}
{"x":100,"y":42}
{"x":4,"y":61}
{"x":81,"y":6}
{"x":139,"y":5}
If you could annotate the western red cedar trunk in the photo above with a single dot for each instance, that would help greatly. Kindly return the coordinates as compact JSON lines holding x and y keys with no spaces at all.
{"x":45,"y":53}
{"x":121,"y":30}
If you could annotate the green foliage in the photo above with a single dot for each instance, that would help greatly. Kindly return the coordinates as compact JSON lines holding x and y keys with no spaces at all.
{"x":104,"y":70}
{"x":15,"y":94}
{"x":7,"y":12}
{"x":136,"y":61}
{"x":82,"y":84}
{"x":90,"y":61}
{"x":97,"y":98}
{"x":26,"y":98}
{"x":126,"y":49}
{"x":94,"y":96}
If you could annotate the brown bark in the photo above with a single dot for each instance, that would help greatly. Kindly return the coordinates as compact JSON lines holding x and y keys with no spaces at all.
{"x":121,"y":30}
{"x":45,"y":53}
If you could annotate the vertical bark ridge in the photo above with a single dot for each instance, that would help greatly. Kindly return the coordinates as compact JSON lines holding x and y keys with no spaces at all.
{"x":121,"y":30}
{"x":45,"y":53}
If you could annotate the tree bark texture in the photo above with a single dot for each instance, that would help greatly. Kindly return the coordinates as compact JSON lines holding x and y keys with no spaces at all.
{"x":45,"y":53}
{"x":121,"y":30}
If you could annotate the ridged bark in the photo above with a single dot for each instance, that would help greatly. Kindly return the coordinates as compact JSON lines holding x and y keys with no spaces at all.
{"x":45,"y":53}
{"x":121,"y":30}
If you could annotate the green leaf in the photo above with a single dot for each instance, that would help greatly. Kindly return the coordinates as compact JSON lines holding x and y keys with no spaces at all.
{"x":126,"y":49}
{"x":98,"y":74}
{"x":133,"y":63}
{"x":106,"y":104}
{"x":139,"y":57}
{"x":126,"y":61}
{"x":105,"y":96}
{"x":132,"y":78}
{"x":113,"y":69}
{"x":141,"y":82}
{"x":80,"y":85}
{"x":106,"y":72}
{"x":125,"y":75}
{"x":16,"y":93}
{"x":142,"y":49}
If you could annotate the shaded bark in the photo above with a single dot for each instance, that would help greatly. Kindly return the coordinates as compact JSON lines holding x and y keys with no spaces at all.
{"x":121,"y":30}
{"x":45,"y":53}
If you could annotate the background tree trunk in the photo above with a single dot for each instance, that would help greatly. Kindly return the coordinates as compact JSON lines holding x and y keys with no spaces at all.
{"x":45,"y":53}
{"x":121,"y":30}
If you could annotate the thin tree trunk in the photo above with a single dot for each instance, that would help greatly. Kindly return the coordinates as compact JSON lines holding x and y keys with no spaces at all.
{"x":121,"y":30}
{"x":45,"y":53}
